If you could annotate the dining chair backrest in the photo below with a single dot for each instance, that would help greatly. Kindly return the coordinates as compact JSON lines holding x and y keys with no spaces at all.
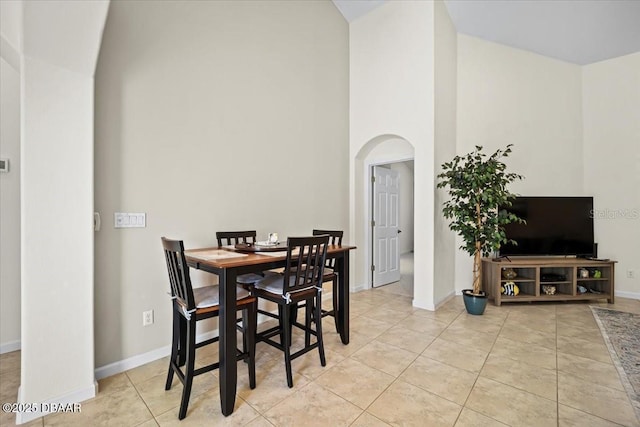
{"x":234,"y":237}
{"x":306,"y":257}
{"x":335,"y":239}
{"x":178,"y":269}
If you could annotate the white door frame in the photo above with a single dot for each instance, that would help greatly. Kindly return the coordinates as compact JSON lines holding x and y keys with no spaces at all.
{"x":368,"y":202}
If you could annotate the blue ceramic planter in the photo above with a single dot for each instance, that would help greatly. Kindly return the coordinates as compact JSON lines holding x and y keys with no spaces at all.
{"x":475,"y":304}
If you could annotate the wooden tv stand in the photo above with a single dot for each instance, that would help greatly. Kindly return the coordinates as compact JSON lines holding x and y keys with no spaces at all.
{"x":565,"y":274}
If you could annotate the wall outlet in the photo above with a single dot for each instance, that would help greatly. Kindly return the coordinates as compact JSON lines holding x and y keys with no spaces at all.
{"x":147,"y":318}
{"x":631,"y":274}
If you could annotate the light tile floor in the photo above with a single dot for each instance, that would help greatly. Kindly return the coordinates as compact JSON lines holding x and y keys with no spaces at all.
{"x":517,"y":365}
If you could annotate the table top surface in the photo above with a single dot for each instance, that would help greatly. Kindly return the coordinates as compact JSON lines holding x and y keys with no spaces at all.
{"x":229,"y":257}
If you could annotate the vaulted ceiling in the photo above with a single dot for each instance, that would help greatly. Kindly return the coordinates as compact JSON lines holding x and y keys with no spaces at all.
{"x":576,"y":31}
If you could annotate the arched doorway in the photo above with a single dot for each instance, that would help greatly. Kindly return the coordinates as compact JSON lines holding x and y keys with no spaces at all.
{"x":391,"y":151}
{"x":389,"y":148}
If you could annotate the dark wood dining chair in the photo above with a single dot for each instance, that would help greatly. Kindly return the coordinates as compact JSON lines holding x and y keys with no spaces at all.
{"x":300,"y":281}
{"x":232,"y":238}
{"x":191,"y":305}
{"x":330,"y":274}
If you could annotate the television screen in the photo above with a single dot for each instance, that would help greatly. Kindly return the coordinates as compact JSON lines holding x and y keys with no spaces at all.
{"x":555,"y":226}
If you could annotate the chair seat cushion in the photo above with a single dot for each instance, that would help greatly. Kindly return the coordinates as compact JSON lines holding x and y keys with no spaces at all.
{"x":273,"y":283}
{"x":249,"y":278}
{"x":209,"y":296}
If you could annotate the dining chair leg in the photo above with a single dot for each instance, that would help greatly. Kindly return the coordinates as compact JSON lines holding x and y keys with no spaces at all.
{"x":308,"y":309}
{"x":286,"y":344}
{"x":323,"y":361}
{"x":335,"y":302}
{"x":281,"y":323}
{"x":175,"y":342}
{"x":182,"y":347}
{"x":189,"y":368}
{"x":293,"y":316}
{"x":245,"y":333}
{"x":294,"y":312}
{"x":250,"y":325}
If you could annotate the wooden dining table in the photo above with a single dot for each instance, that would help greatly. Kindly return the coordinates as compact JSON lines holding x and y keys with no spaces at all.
{"x":227,"y":263}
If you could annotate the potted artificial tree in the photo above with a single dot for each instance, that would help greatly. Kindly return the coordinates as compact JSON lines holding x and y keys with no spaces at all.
{"x":477,"y":184}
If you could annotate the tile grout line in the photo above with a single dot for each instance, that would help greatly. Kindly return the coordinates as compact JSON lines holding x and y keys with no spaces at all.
{"x":464,"y":405}
{"x":153,"y":417}
{"x":558,"y":371}
{"x":397,"y":378}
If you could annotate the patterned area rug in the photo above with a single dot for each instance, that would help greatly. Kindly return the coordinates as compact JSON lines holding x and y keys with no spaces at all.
{"x":621,"y":332}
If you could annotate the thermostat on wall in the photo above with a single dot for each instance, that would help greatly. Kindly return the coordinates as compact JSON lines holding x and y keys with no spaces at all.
{"x":4,"y":165}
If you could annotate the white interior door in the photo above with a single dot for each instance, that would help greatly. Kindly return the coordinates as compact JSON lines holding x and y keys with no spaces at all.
{"x":386,"y":205}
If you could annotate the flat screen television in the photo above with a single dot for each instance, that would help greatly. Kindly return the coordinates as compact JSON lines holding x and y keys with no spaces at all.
{"x":555,"y":226}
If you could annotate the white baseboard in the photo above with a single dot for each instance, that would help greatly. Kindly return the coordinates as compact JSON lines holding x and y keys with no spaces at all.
{"x":362,"y":287}
{"x":70,"y":402}
{"x":10,"y":346}
{"x":132,"y":362}
{"x":153,"y":355}
{"x":446,"y":299}
{"x":428,"y":307}
{"x":625,"y":294}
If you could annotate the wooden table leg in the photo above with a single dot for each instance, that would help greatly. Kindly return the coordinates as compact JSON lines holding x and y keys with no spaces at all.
{"x":343,"y":296}
{"x":227,"y":343}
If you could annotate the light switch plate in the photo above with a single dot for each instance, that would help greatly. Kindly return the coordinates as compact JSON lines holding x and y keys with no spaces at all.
{"x":129,"y":220}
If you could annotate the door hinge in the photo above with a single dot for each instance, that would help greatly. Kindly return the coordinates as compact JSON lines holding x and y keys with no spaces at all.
{"x":373,"y":268}
{"x":373,"y":223}
{"x":373,"y":178}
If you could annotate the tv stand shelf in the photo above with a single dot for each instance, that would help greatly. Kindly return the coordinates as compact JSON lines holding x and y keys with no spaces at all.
{"x":569,"y":279}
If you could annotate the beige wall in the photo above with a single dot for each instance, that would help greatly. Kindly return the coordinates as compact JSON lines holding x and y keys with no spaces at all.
{"x":61,"y":43}
{"x":391,"y":98}
{"x":211,"y":116}
{"x":10,"y":208}
{"x":11,"y":20}
{"x":611,"y":106}
{"x":10,"y":44}
{"x":445,"y":146}
{"x":510,"y":96}
{"x":57,"y":234}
